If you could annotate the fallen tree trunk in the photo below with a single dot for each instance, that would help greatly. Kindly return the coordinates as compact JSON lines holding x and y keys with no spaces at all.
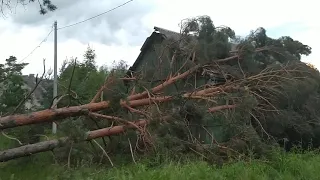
{"x":30,"y":149}
{"x":115,"y":130}
{"x":163,"y":85}
{"x":49,"y":115}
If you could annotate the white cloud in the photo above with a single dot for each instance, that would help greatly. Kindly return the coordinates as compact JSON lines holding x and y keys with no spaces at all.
{"x":242,"y":16}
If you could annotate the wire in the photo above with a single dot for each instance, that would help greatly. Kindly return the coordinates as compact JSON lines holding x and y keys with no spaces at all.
{"x":95,"y":16}
{"x":44,"y":40}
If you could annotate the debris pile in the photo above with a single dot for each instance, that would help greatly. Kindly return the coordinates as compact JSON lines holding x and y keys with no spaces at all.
{"x":224,"y":103}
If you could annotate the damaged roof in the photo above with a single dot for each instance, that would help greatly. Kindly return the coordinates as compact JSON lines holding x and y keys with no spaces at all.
{"x":163,"y":33}
{"x":167,"y":33}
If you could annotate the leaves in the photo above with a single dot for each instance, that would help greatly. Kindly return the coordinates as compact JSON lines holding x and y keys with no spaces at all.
{"x":86,"y":78}
{"x":11,"y":89}
{"x":45,"y":6}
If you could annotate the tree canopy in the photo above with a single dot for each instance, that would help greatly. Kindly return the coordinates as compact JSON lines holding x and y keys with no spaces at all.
{"x":287,"y":102}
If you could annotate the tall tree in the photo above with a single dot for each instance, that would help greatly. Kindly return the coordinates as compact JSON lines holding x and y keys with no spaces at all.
{"x":82,"y":77}
{"x":89,"y":59}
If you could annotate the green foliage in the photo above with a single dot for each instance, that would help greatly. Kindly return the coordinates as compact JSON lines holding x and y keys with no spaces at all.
{"x":11,"y":91}
{"x":296,"y":102}
{"x":280,"y":166}
{"x":283,"y":49}
{"x":284,"y":108}
{"x":212,"y":42}
{"x":117,"y":89}
{"x":83,"y":78}
{"x":45,"y":6}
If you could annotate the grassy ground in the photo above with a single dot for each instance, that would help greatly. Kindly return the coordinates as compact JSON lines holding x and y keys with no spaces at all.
{"x":282,"y":166}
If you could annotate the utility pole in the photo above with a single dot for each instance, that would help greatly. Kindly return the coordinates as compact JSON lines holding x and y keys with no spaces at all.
{"x":55,"y":75}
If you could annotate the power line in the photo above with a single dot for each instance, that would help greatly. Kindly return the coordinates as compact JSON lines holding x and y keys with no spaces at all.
{"x":96,"y":15}
{"x":44,"y":40}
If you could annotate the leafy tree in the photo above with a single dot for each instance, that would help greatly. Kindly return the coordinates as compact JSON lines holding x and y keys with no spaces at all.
{"x":11,"y":91}
{"x":81,"y":80}
{"x":212,"y":42}
{"x":89,"y":59}
{"x":84,"y":78}
{"x":295,"y":99}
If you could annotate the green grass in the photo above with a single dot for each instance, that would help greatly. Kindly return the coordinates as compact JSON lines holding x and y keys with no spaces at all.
{"x":282,"y":166}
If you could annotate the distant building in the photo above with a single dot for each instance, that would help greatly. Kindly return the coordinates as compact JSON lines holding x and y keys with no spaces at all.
{"x":37,"y":96}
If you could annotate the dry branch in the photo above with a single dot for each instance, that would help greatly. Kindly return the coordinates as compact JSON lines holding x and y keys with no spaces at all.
{"x":219,"y":108}
{"x":213,"y":90}
{"x":163,"y":85}
{"x":115,"y":130}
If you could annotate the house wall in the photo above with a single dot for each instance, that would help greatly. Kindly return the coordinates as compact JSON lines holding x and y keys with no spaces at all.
{"x":154,"y":65}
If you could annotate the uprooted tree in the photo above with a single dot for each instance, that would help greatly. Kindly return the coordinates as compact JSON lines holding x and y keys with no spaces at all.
{"x":266,"y":97}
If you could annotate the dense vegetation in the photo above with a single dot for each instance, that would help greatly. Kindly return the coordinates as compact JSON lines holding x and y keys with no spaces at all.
{"x":272,"y":101}
{"x":280,"y":167}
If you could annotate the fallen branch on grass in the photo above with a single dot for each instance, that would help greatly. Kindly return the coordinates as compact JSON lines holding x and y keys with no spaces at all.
{"x":30,"y":149}
{"x":49,"y":115}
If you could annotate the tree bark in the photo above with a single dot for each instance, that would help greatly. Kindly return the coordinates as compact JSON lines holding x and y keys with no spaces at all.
{"x":52,"y":144}
{"x":49,"y":115}
{"x":30,"y":149}
{"x":163,"y":85}
{"x":115,"y":130}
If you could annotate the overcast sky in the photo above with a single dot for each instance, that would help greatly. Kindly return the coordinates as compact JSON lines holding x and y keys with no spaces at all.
{"x":118,"y":35}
